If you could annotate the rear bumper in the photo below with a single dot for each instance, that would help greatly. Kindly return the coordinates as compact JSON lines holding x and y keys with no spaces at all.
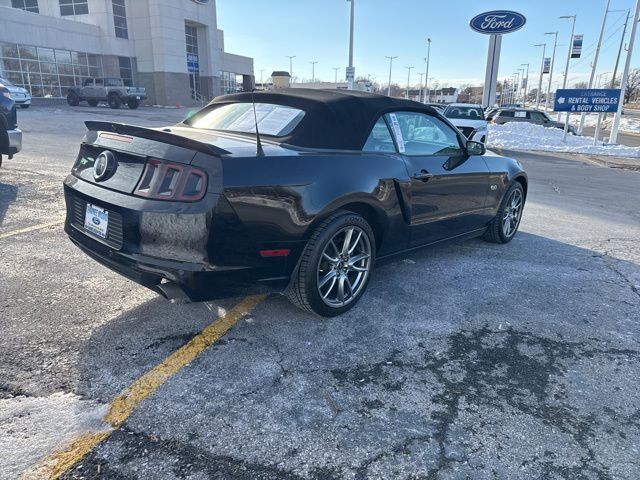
{"x":135,"y":96}
{"x":15,"y":141}
{"x":127,"y":251}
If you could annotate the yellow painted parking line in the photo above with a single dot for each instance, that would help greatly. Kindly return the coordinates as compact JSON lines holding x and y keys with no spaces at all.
{"x":30,"y":229}
{"x":57,"y":464}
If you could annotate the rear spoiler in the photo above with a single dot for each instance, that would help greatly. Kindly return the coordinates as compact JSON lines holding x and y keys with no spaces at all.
{"x":156,"y":135}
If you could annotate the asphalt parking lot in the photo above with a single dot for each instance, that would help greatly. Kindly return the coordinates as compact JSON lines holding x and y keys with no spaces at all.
{"x":465,"y":360}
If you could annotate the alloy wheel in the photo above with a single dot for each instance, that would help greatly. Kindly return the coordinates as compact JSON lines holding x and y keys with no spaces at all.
{"x":512,"y":214}
{"x":344,"y":266}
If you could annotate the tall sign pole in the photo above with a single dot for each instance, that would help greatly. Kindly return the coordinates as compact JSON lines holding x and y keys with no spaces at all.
{"x":553,"y":61}
{"x":495,"y":23}
{"x":544,"y":48}
{"x":491,"y":74}
{"x":595,"y":62}
{"x":625,"y":75}
{"x":426,"y":75}
{"x":566,"y":68}
{"x":351,"y":71}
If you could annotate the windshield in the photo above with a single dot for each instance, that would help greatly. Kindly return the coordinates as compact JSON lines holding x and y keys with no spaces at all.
{"x":468,"y":113}
{"x":275,"y":120}
{"x":6,"y":83}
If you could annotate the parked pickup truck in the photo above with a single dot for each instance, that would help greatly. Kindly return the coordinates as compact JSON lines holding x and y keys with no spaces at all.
{"x":10,"y":135}
{"x":110,"y":90}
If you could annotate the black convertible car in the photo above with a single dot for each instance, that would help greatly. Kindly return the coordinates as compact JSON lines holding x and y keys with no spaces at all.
{"x":330,"y":182}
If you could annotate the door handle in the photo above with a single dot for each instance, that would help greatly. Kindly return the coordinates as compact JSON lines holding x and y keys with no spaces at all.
{"x":423,"y":176}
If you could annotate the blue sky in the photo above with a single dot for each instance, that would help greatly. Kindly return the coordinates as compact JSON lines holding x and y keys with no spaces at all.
{"x":318,"y":30}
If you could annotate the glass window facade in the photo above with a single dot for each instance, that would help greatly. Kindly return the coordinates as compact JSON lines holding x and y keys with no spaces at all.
{"x":120,"y":18}
{"x":230,"y":82}
{"x":126,"y":70}
{"x":28,"y":5}
{"x":73,"y":7}
{"x":191,"y":38}
{"x":46,"y":72}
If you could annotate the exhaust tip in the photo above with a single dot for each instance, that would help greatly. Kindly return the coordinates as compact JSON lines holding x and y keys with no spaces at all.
{"x":173,"y":292}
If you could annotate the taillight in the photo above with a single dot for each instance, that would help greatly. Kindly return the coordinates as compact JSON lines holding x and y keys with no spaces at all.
{"x":171,"y":181}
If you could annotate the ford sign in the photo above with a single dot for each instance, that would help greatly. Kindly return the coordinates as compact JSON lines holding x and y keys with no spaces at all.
{"x":497,"y":22}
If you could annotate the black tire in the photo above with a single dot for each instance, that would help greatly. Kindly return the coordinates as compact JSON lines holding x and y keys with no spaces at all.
{"x":496,"y":230}
{"x":25,"y":106}
{"x":133,"y":104}
{"x":73,"y":99}
{"x":114,"y":101}
{"x":304,"y":290}
{"x":93,"y":103}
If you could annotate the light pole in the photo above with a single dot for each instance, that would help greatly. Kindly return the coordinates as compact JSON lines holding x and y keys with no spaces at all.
{"x":553,"y":61}
{"x":335,"y":71}
{"x":566,"y":68}
{"x":313,"y":71}
{"x":426,"y":74}
{"x":544,"y":48}
{"x":408,"y":79}
{"x":517,"y":74}
{"x":526,"y":83}
{"x":390,"y":66}
{"x":291,"y":57}
{"x":421,"y":84}
{"x":625,"y":74}
{"x":261,"y":76}
{"x":595,"y":65}
{"x":351,"y":73}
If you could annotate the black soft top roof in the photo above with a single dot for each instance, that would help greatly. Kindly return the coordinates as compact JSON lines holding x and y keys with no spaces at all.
{"x":334,"y":119}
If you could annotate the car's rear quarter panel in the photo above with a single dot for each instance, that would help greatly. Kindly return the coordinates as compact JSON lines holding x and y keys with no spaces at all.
{"x":279,"y":200}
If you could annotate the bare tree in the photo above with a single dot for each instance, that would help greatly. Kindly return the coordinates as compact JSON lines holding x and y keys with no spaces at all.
{"x":582,"y":85}
{"x":633,"y":85}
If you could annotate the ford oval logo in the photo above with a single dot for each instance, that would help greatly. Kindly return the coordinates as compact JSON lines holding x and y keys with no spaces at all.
{"x":104,"y":166}
{"x":497,"y":22}
{"x":96,"y":220}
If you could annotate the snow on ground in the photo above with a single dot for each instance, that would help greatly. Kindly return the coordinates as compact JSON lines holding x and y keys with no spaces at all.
{"x":627,"y":124}
{"x":527,"y":136}
{"x":32,"y":427}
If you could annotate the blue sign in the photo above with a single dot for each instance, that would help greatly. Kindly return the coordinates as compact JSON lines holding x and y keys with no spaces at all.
{"x":601,"y":100}
{"x":193,"y":63}
{"x":497,"y":22}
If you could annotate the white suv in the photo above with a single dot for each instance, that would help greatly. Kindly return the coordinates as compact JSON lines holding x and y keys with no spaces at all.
{"x":469,"y":119}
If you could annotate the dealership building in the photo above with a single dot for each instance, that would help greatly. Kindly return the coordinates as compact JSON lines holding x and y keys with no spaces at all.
{"x":173,"y":48}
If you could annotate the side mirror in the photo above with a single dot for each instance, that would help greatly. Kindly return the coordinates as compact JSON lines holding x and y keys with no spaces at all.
{"x":476,"y":148}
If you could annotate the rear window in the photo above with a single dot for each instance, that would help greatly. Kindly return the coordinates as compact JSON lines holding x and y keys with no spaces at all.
{"x":274,"y":120}
{"x":505,"y":113}
{"x":469,"y":113}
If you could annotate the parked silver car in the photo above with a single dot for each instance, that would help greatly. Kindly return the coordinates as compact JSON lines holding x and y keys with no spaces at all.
{"x":528,"y":115}
{"x":21,"y":96}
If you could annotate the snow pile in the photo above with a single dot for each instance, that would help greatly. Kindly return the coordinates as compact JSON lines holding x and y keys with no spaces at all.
{"x":627,"y":124}
{"x":527,"y":136}
{"x":33,"y":427}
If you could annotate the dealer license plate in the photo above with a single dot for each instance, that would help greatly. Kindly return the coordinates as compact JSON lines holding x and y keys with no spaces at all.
{"x":96,"y":220}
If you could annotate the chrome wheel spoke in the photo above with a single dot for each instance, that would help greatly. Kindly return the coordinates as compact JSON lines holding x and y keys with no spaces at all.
{"x":341,"y":289}
{"x":333,"y":284}
{"x":329,"y":276}
{"x":331,"y":260}
{"x":347,"y":241}
{"x":355,"y":243}
{"x":358,"y":258}
{"x":358,"y":269}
